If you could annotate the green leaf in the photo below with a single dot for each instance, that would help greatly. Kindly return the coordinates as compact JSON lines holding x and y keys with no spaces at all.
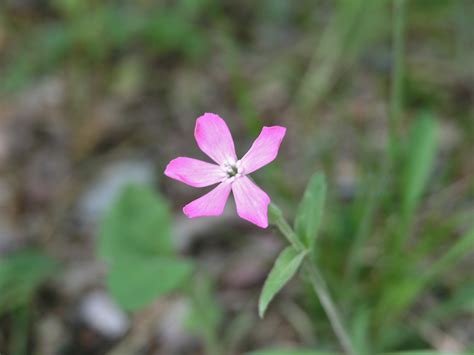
{"x":138,"y":223}
{"x":285,"y":267}
{"x":137,"y":281}
{"x":308,"y":217}
{"x":421,"y":153}
{"x":135,"y":241}
{"x":20,"y":275}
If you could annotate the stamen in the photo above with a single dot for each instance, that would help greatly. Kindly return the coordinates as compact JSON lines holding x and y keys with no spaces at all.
{"x":232,"y":169}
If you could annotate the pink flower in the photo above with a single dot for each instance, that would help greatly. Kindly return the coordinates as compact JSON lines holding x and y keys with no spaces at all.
{"x":213,"y":138}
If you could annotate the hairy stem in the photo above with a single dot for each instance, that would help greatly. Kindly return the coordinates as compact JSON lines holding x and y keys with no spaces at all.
{"x":317,"y":281}
{"x":321,"y":290}
{"x":276,"y":217}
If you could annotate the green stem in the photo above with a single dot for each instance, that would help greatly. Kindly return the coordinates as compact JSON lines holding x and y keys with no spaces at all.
{"x":317,"y":281}
{"x":320,"y":288}
{"x":276,"y":217}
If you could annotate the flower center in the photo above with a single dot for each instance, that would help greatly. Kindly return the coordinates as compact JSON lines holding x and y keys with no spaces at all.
{"x":232,"y":170}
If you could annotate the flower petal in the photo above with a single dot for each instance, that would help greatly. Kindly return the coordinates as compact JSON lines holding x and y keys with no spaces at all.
{"x":251,"y":201}
{"x":264,"y":150}
{"x":194,"y":172}
{"x":214,"y":138}
{"x":211,"y":204}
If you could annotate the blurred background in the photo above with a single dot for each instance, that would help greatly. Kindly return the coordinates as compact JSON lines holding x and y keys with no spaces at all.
{"x":96,"y":95}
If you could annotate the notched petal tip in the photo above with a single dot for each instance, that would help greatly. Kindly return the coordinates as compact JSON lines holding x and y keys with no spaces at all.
{"x":210,"y":116}
{"x":169,"y":168}
{"x":206,"y":119}
{"x":262,"y":224}
{"x":276,"y":132}
{"x":264,"y":149}
{"x":188,"y":213}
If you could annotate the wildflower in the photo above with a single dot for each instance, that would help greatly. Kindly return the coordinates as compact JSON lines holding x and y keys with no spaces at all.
{"x":213,"y":138}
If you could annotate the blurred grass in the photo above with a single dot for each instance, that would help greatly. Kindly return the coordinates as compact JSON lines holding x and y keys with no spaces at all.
{"x":89,"y":33}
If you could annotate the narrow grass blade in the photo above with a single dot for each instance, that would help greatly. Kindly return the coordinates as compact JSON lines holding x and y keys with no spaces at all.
{"x":420,"y":158}
{"x":459,"y":250}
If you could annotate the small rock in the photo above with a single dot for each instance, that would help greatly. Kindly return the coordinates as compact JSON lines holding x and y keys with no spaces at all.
{"x":449,"y":136}
{"x":346,"y":178}
{"x":174,"y":336}
{"x":99,"y":312}
{"x":43,"y":97}
{"x":108,"y":185}
{"x":80,"y":276}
